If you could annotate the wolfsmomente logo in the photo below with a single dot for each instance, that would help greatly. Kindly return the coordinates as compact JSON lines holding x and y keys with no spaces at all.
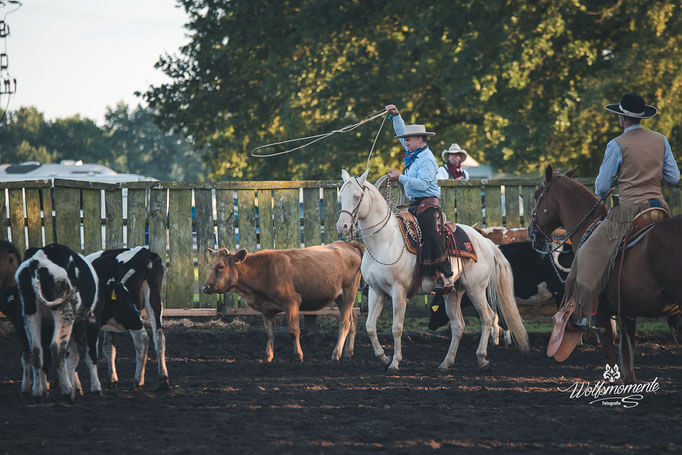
{"x":609,"y":394}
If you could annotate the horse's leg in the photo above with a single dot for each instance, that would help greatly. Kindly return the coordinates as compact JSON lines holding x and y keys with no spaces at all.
{"x":399,"y":297}
{"x":485,"y":314}
{"x":495,"y":332}
{"x":375,"y":305}
{"x":269,"y":324}
{"x":605,"y":323}
{"x":453,"y":309}
{"x":628,"y":349}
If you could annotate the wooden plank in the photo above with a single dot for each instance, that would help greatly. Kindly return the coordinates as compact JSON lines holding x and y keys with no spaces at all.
{"x":330,"y":215}
{"x":286,"y":220}
{"x":246,"y":219}
{"x":48,"y":219}
{"x":447,"y":198}
{"x":469,"y":209}
{"x":312,"y":227}
{"x":189,"y":312}
{"x":248,"y":311}
{"x":528,"y":194}
{"x":33,"y":220}
{"x":493,"y":205}
{"x":203,"y":202}
{"x":225,"y":212}
{"x":180,"y":276}
{"x":92,"y":220}
{"x":511,"y":202}
{"x":4,"y":221}
{"x":16,"y":218}
{"x":137,"y":215}
{"x":113,"y":203}
{"x":267,"y":235}
{"x":67,"y":217}
{"x":157,"y":231}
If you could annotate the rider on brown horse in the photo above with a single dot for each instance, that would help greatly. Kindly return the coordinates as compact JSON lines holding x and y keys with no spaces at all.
{"x":421,"y":187}
{"x":637,"y":160}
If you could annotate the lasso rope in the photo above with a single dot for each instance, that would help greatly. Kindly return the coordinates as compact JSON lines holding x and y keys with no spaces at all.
{"x":318,"y":137}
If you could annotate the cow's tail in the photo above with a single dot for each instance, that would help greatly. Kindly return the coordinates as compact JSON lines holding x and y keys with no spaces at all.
{"x":62,"y":288}
{"x":501,"y":298}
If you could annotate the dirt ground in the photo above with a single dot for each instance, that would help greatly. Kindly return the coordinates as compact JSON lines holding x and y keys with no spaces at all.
{"x":225,"y":398}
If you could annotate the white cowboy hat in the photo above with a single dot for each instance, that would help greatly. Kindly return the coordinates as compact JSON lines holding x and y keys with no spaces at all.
{"x":454,"y":149}
{"x":415,"y":130}
{"x":632,"y":105}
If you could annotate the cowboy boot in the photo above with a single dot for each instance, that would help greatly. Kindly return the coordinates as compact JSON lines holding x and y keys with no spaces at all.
{"x":443,"y":284}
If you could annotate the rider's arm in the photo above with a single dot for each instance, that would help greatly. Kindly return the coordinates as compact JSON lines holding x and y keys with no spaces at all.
{"x":399,"y":128}
{"x":608,"y":170}
{"x":426,"y":174}
{"x":671,"y":174}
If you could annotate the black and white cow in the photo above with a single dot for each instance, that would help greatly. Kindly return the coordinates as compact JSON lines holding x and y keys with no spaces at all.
{"x":58,"y":287}
{"x":130,"y":282}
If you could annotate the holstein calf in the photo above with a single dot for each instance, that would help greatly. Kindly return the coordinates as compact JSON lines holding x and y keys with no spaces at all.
{"x":130,"y":282}
{"x":308,"y":279}
{"x":56,"y":283}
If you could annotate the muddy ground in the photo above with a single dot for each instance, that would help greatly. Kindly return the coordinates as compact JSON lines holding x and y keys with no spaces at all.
{"x":225,"y":398}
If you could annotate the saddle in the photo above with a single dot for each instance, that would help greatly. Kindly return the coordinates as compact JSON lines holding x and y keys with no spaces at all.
{"x":643,"y":223}
{"x":457,"y":241}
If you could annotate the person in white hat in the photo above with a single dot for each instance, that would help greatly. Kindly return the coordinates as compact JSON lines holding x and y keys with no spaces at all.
{"x":638,"y":161}
{"x":452,"y":163}
{"x":421,"y":187}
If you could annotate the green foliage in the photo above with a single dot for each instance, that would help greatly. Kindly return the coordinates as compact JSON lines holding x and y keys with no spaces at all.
{"x":519,"y":84}
{"x":129,"y":142}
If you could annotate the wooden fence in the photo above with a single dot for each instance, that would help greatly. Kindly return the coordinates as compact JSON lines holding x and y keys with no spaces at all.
{"x":181,"y":220}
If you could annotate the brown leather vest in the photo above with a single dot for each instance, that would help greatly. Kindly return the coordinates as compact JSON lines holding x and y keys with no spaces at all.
{"x":641,"y":171}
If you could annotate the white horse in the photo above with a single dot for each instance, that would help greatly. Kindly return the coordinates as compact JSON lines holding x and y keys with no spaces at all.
{"x":388,"y":268}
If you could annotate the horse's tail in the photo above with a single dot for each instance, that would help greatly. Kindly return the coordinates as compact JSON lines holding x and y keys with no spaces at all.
{"x":501,"y":298}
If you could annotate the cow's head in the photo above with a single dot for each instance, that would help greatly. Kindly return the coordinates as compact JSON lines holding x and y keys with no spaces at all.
{"x":223,"y":272}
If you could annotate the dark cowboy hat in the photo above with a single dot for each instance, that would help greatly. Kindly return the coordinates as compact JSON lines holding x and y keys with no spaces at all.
{"x":632,"y":105}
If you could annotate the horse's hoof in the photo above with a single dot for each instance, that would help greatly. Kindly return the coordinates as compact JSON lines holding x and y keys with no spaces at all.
{"x":484,"y":366}
{"x":164,"y":385}
{"x":393,"y":369}
{"x":443,"y":368}
{"x":386,"y":360}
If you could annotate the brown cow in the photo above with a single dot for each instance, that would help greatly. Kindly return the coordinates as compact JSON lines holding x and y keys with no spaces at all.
{"x":307,"y":279}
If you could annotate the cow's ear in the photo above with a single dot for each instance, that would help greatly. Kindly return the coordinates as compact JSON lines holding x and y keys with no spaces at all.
{"x":548,"y":173}
{"x":345,"y":175}
{"x":363,"y":177}
{"x":570,"y":173}
{"x":240,"y":255}
{"x":223,"y":252}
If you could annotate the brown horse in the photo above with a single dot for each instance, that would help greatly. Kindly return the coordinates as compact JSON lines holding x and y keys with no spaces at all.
{"x":651,"y":284}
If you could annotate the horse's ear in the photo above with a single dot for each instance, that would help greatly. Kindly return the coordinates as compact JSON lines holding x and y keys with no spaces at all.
{"x":345,"y":175}
{"x":570,"y":173}
{"x":548,"y":173}
{"x":363,"y":177}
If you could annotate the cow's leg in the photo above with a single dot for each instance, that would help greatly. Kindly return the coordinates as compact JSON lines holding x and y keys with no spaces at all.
{"x":33,"y":331}
{"x":294,"y":327}
{"x":63,"y":326}
{"x":141,"y":343}
{"x":399,"y":297}
{"x":453,"y":309}
{"x":154,"y":309}
{"x":71,"y":364}
{"x":269,"y":324}
{"x":91,"y":356}
{"x":26,"y":380}
{"x":109,"y":349}
{"x":627,"y":349}
{"x":375,"y":305}
{"x":345,"y":322}
{"x":485,"y":314}
{"x":349,"y":348}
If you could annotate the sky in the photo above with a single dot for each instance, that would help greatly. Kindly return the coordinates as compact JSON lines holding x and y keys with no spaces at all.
{"x":79,"y":56}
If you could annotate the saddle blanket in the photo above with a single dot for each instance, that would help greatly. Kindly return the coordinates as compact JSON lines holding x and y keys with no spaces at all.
{"x":458,"y":242}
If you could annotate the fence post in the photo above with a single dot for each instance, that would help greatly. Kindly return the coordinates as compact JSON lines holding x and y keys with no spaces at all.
{"x":92,"y":220}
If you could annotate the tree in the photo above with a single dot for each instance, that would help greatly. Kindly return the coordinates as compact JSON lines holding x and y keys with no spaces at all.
{"x":519,"y":84}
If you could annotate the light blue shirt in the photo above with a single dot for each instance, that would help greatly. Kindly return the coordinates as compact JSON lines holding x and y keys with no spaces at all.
{"x":420,"y":179}
{"x":613,"y":158}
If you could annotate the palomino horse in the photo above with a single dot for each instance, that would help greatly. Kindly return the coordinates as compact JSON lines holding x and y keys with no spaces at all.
{"x":650,"y":284}
{"x":389,"y":268}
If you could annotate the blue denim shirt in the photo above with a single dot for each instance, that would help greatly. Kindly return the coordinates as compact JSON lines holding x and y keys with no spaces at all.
{"x":420,"y":179}
{"x":613,"y":158}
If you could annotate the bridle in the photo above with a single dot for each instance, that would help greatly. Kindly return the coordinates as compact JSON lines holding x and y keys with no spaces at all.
{"x":359,"y":233}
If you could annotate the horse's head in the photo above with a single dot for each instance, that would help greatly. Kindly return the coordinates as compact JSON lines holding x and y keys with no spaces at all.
{"x":351,"y":197}
{"x":545,"y":217}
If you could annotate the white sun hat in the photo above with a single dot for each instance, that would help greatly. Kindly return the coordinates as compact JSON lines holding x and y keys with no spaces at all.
{"x":454,"y":149}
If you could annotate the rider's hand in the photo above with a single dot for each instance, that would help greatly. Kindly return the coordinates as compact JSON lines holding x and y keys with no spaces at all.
{"x":393,"y":174}
{"x":392,"y":109}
